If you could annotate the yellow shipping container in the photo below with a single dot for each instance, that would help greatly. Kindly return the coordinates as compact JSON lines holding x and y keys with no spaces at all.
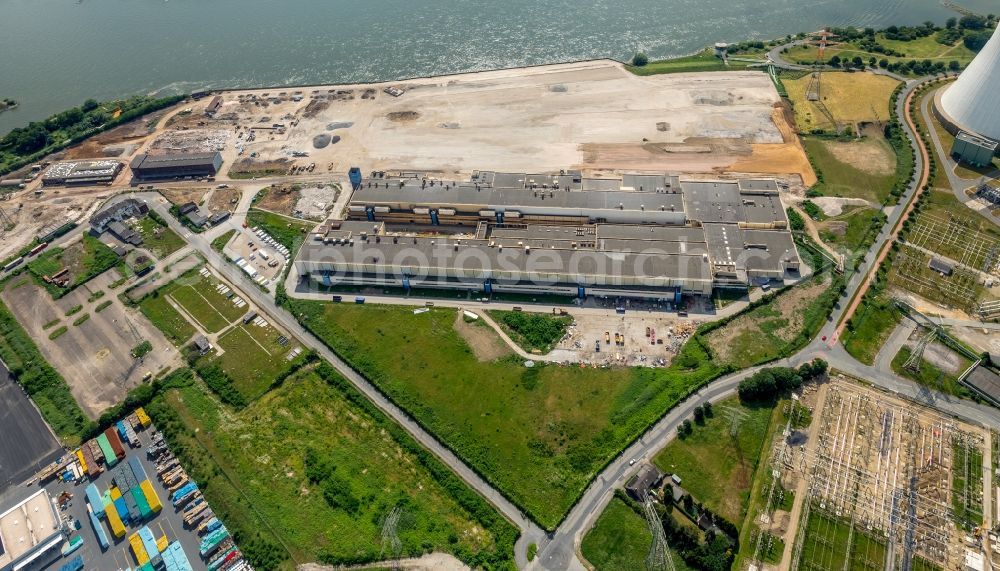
{"x":83,"y":463}
{"x":141,"y":557}
{"x":151,"y":498}
{"x":117,"y":527}
{"x":162,"y":544}
{"x":143,"y":417}
{"x":115,"y":494}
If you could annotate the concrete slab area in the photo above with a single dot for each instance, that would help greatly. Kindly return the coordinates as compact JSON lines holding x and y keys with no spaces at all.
{"x":592,"y":115}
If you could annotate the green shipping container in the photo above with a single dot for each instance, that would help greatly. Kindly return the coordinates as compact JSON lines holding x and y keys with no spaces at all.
{"x":147,"y":566}
{"x":140,"y":500}
{"x":109,"y":453}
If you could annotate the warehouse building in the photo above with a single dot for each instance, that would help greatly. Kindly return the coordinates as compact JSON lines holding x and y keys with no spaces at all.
{"x":82,"y":173}
{"x":567,"y":199}
{"x":973,"y":150}
{"x":640,"y":235}
{"x":176,"y":165}
{"x":654,"y":262}
{"x":30,"y":532}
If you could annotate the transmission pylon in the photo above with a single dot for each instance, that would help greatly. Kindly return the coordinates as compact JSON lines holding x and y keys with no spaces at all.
{"x":390,"y":537}
{"x":659,"y":558}
{"x":735,"y":417}
{"x":917,"y":355}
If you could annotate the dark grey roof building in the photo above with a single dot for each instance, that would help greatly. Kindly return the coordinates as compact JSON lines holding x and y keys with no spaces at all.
{"x":117,"y":212}
{"x":124,"y":233}
{"x":176,"y":165}
{"x":645,"y":480}
{"x":986,"y":382}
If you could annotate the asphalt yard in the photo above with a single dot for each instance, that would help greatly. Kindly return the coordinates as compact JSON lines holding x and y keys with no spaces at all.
{"x":119,"y":556}
{"x":26,"y":443}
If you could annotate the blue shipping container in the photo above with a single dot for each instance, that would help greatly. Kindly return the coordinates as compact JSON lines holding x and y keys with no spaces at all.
{"x":96,"y":502}
{"x":122,"y":509}
{"x":148,"y":542}
{"x":102,"y":537}
{"x":137,"y":470}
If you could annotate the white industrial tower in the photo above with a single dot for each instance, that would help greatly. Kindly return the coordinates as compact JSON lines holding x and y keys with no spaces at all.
{"x":971,"y":102}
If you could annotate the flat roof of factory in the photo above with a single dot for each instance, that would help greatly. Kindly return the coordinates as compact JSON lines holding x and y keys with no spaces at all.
{"x":26,"y":524}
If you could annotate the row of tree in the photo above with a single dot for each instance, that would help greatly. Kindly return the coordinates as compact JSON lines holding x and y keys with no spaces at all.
{"x":771,"y":382}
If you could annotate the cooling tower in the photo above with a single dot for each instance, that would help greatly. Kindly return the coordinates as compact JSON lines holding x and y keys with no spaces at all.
{"x":971,"y":103}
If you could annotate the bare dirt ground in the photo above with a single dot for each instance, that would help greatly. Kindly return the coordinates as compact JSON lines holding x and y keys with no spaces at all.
{"x":94,"y":357}
{"x":316,"y":201}
{"x":591,"y":115}
{"x":789,"y":306}
{"x":942,"y":357}
{"x":223,"y":199}
{"x":178,"y":196}
{"x":667,"y":335}
{"x":280,"y":198}
{"x":787,"y":157}
{"x":872,"y":156}
{"x":484,"y":342}
{"x":979,"y":339}
{"x":833,"y":206}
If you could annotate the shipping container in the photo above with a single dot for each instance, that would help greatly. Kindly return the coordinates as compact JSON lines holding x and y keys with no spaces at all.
{"x":116,"y":443}
{"x":83,"y":461}
{"x":102,"y":537}
{"x":137,"y":470}
{"x":72,"y":545}
{"x":117,"y":527}
{"x":143,"y":417}
{"x":120,"y":425}
{"x":151,"y":498}
{"x":95,"y":450}
{"x":93,"y":468}
{"x":75,"y":565}
{"x":184,"y":491}
{"x":162,"y":542}
{"x":138,"y":550}
{"x":140,"y":500}
{"x":121,"y":508}
{"x":148,"y":541}
{"x":134,"y":515}
{"x":96,"y":502}
{"x":106,"y":450}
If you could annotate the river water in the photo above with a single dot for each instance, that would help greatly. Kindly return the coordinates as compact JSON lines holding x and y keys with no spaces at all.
{"x":56,"y":53}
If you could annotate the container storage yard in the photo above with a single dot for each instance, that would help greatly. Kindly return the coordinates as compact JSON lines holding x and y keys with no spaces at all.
{"x":134,"y":508}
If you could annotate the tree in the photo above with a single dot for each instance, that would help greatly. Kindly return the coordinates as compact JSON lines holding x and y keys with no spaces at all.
{"x":950,"y":23}
{"x":858,"y":62}
{"x":872,"y":62}
{"x":89,"y":105}
{"x":688,"y":429}
{"x":640,"y":59}
{"x":883,"y":63}
{"x":972,"y":22}
{"x":976,"y":40}
{"x":835,"y":61}
{"x":32,"y":138}
{"x":953,"y":65}
{"x":707,"y":407}
{"x":699,"y":415}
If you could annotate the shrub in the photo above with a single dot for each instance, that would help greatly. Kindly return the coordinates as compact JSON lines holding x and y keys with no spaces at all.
{"x":640,"y":59}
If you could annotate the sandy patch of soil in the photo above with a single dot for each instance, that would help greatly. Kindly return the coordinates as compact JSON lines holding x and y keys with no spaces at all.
{"x":871,"y":156}
{"x":485,"y":344}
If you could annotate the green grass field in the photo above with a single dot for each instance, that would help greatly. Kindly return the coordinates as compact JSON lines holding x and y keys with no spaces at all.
{"x":931,"y":375}
{"x":620,"y":540}
{"x":538,"y":332}
{"x":198,"y":296}
{"x":219,"y":243}
{"x":870,"y":327}
{"x":288,"y":232}
{"x":918,"y":49}
{"x":715,"y":467}
{"x":845,"y":180}
{"x":539,"y":435}
{"x":702,"y":61}
{"x":85,"y":260}
{"x":774,"y":328}
{"x":253,"y":358}
{"x":252,"y":467}
{"x":160,"y":313}
{"x":852,"y":230}
{"x":157,"y":238}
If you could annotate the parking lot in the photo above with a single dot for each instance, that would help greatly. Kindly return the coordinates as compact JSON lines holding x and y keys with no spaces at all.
{"x":26,"y":443}
{"x":264,"y":257}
